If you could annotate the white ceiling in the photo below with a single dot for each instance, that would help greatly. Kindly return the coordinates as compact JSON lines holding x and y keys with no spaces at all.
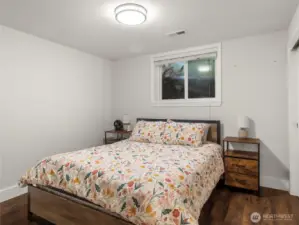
{"x":89,"y":25}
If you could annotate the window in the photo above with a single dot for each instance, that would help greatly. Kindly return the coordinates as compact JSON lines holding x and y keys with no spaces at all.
{"x":188,"y":78}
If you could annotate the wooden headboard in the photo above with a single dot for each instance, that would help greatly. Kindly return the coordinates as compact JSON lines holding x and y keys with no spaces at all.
{"x":214,"y":134}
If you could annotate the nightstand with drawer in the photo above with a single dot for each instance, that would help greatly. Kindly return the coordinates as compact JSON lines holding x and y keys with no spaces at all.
{"x":120,"y":135}
{"x":242,"y":168}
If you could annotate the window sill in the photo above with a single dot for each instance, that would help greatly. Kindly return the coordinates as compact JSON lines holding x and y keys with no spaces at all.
{"x":187,"y":104}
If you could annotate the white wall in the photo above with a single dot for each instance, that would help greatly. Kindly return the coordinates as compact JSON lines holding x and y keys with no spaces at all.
{"x":293,"y":97}
{"x":52,"y":99}
{"x":253,"y":84}
{"x":293,"y":31}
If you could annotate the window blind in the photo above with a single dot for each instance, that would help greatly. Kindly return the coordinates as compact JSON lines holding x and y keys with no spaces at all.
{"x":186,"y":58}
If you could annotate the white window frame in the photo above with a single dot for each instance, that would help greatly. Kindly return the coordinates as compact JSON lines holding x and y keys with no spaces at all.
{"x":156,"y":81}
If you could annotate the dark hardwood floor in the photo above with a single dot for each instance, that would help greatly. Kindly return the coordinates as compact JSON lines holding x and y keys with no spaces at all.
{"x":223,"y":208}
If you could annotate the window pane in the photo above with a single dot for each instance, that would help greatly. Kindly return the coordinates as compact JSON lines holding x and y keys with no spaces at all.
{"x":173,"y":83}
{"x":201,"y":78}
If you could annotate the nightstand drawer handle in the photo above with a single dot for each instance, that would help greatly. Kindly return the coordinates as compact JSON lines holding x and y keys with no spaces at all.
{"x":243,"y":182}
{"x":241,"y":166}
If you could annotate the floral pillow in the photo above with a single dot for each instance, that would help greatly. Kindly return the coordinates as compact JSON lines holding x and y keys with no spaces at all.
{"x":149,"y":132}
{"x":191,"y":134}
{"x":206,"y":128}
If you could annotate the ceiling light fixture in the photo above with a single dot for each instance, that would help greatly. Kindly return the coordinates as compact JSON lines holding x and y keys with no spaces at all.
{"x":130,"y":14}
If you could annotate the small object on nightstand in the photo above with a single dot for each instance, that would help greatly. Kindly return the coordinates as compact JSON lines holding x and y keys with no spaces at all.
{"x":118,"y":125}
{"x":129,"y":127}
{"x":243,"y":122}
{"x":120,"y":135}
{"x":242,"y":168}
{"x":126,"y":122}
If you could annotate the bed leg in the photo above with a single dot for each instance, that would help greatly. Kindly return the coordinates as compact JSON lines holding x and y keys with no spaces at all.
{"x":30,"y":216}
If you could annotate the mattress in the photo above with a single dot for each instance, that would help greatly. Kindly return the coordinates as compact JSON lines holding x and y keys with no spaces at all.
{"x":143,"y":183}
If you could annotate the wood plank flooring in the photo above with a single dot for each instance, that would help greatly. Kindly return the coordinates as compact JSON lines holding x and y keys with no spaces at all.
{"x":224,"y":207}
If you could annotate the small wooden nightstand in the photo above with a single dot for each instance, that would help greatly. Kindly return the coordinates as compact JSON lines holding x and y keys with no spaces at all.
{"x":242,"y":168}
{"x":120,"y":135}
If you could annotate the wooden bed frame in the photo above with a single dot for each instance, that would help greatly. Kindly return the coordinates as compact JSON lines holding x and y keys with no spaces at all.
{"x":62,"y":208}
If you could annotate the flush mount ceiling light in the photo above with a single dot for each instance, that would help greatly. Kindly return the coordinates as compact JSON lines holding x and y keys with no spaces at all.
{"x":130,"y":14}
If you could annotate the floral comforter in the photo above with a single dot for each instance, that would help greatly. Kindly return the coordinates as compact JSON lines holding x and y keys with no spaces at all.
{"x":143,"y":182}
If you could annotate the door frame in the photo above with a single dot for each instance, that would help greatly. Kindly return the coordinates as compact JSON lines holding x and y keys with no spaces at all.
{"x":293,"y":102}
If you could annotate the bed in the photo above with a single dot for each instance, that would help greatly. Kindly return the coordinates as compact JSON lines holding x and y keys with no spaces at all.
{"x":127,"y":183}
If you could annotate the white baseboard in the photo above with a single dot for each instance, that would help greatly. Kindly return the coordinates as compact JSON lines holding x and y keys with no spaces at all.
{"x":266,"y":181}
{"x":276,"y":183}
{"x":11,"y":192}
